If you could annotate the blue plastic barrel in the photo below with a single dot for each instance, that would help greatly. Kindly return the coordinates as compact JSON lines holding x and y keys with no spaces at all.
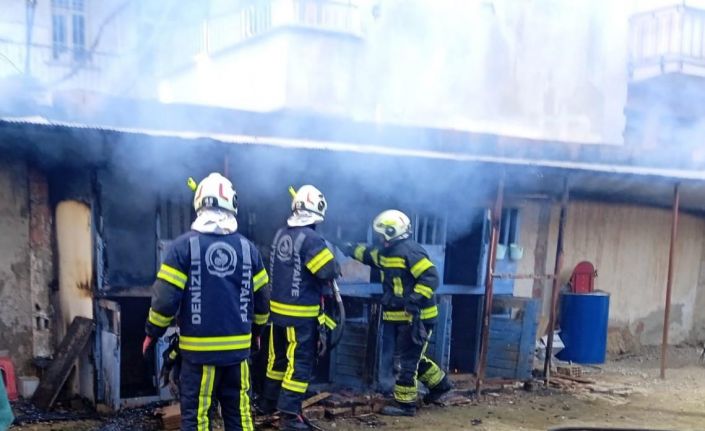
{"x":583,"y":322}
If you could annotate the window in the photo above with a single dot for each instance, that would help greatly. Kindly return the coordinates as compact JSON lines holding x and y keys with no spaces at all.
{"x":68,"y":20}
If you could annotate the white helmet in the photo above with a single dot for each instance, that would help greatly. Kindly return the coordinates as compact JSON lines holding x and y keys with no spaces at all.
{"x":392,"y":225}
{"x":215,"y":191}
{"x":308,"y":207}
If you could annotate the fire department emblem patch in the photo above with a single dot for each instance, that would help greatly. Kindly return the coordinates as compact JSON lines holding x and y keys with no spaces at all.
{"x":221,"y":259}
{"x":285,"y":248}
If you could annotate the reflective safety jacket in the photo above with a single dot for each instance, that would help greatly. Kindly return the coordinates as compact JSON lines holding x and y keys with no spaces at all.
{"x":301,"y":265}
{"x":408,"y":277}
{"x":216,"y":284}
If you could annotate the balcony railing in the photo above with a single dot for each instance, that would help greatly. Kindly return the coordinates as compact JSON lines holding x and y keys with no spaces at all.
{"x":334,"y":16}
{"x":665,"y":41}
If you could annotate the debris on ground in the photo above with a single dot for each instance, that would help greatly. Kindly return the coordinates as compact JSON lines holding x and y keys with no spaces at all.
{"x":77,"y":336}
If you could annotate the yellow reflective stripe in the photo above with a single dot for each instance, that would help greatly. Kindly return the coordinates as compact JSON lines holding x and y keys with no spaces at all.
{"x":172,"y":275}
{"x":245,"y":410}
{"x":260,"y":279}
{"x":429,"y":313}
{"x":275,"y":375}
{"x":405,"y":394}
{"x":392,"y":262}
{"x":261,"y":319}
{"x":159,"y":320}
{"x":324,"y":319}
{"x":288,"y":382}
{"x":204,"y":398}
{"x":210,"y":344}
{"x":424,"y":290}
{"x":374,"y":254}
{"x":294,"y":386}
{"x":403,"y":316}
{"x":433,"y":376}
{"x":359,"y":253}
{"x":398,"y":287}
{"x":396,"y":316}
{"x":294,"y":310}
{"x":173,"y":355}
{"x":318,"y":261}
{"x":271,"y":373}
{"x":420,"y":267}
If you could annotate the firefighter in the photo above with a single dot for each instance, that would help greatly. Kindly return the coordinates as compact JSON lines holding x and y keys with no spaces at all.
{"x":409,"y":280}
{"x":214,"y":278}
{"x":302,"y":265}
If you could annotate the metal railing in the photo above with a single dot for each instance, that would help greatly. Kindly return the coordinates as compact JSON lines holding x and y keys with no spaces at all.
{"x":335,"y":16}
{"x":667,"y":40}
{"x":89,"y":71}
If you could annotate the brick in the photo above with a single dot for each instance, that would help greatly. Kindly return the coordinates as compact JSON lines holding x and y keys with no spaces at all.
{"x":338,"y":412}
{"x":315,"y":413}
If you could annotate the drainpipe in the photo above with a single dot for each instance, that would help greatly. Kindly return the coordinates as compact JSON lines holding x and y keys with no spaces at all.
{"x":556,"y":282}
{"x":489,"y":285}
{"x":669,"y":282}
{"x":29,"y":25}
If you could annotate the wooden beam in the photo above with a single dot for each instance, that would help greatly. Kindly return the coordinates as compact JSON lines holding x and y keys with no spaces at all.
{"x":77,"y":336}
{"x":496,"y":219}
{"x":556,"y":282}
{"x":669,"y":281}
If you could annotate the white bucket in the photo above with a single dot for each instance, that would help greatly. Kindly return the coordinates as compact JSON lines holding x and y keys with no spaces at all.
{"x":28,"y":384}
{"x":516,"y":252}
{"x":501,"y":251}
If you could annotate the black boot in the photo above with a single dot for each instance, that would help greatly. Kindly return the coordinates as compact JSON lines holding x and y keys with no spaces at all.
{"x":265,"y":407}
{"x":436,"y":394}
{"x":398,"y":409}
{"x":289,"y":422}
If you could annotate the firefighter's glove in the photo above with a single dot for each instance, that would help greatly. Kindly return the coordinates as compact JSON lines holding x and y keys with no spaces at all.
{"x":170,"y":359}
{"x":347,"y":248}
{"x":419,"y":335}
{"x":413,"y":309}
{"x":256,"y":343}
{"x":148,"y":346}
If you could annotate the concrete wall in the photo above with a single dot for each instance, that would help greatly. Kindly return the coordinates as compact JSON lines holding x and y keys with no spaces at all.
{"x":26,"y":264}
{"x":629,"y":247}
{"x":628,"y":244}
{"x":15,"y":295}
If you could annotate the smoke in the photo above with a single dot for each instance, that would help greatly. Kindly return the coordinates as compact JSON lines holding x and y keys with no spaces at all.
{"x":544,"y":69}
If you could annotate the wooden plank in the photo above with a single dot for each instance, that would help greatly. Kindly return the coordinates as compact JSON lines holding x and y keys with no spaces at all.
{"x":315,"y":399}
{"x":77,"y":336}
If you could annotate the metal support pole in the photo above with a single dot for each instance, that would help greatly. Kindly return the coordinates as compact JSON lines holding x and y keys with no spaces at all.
{"x":489,"y":285}
{"x":226,"y":166}
{"x":556,"y":282}
{"x":669,"y":283}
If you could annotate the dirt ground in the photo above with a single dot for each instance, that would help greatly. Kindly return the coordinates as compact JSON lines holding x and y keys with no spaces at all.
{"x":627,"y":393}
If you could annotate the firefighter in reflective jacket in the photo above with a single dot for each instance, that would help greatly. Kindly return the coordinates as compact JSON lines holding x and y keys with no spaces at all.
{"x":215,"y":279}
{"x":409,"y":280}
{"x":301,"y":266}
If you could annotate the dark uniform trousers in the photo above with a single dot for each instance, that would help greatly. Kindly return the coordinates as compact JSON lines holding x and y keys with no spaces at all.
{"x":292,"y":355}
{"x":415,"y":365}
{"x":230,"y":385}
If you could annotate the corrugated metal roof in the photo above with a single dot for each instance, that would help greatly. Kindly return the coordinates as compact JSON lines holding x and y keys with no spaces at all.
{"x":616,"y":169}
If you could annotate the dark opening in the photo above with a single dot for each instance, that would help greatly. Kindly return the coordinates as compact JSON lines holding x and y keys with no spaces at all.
{"x":464,"y":255}
{"x":465,"y":333}
{"x":137,"y":375}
